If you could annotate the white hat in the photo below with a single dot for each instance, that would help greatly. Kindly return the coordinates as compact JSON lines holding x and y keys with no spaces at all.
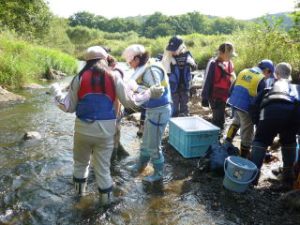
{"x":133,"y":50}
{"x":95,"y":52}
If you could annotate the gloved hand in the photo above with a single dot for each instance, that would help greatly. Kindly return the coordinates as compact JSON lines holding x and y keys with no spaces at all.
{"x":205,"y":103}
{"x":156,"y":91}
{"x":55,"y":89}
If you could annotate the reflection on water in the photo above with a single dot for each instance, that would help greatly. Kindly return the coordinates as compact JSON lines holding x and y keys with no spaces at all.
{"x":36,"y":176}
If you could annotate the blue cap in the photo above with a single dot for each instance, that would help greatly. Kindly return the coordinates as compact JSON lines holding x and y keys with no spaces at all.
{"x":174,"y":43}
{"x":266,"y":64}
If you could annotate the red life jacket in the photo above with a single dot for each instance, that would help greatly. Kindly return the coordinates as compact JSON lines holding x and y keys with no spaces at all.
{"x":222,"y":82}
{"x":86,"y":86}
{"x":96,"y":97}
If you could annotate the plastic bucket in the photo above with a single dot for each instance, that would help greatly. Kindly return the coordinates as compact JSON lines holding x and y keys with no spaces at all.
{"x":239,"y":172}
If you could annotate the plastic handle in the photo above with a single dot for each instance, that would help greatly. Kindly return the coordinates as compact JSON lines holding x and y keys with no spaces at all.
{"x":236,"y":181}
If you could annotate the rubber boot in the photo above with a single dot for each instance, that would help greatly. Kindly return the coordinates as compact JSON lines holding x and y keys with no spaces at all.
{"x":245,"y":151}
{"x":106,"y":197}
{"x":157,"y":175}
{"x":138,"y":167}
{"x":288,"y":157}
{"x":257,"y":157}
{"x":80,"y":186}
{"x":233,"y":129}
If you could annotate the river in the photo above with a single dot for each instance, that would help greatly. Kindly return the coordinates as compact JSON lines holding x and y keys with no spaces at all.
{"x":36,"y":176}
{"x":36,"y":179}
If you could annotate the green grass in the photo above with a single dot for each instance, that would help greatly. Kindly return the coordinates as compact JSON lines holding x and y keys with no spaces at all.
{"x":252,"y":45}
{"x":22,"y":62}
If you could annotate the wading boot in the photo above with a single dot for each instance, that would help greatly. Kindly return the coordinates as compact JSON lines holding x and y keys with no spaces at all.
{"x":106,"y":197}
{"x":80,"y":186}
{"x":139,"y":166}
{"x":233,"y":129}
{"x":245,"y":151}
{"x":157,"y":175}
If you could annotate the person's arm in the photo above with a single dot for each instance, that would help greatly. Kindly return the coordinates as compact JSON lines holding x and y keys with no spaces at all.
{"x":191,"y":62}
{"x":67,"y":102}
{"x":127,"y":94}
{"x":261,"y":86}
{"x":153,"y":76}
{"x":254,"y":108}
{"x":208,"y":81}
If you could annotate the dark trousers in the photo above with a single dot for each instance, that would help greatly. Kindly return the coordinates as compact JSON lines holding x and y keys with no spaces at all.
{"x":218,"y":110}
{"x":180,"y":103}
{"x":266,"y":132}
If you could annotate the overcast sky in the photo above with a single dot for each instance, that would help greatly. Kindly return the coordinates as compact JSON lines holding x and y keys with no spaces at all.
{"x":239,"y":9}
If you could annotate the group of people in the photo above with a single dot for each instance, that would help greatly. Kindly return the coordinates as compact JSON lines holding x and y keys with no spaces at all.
{"x":161,"y":88}
{"x":96,"y":95}
{"x":264,"y":102}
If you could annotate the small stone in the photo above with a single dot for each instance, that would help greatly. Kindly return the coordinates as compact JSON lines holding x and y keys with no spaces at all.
{"x":32,"y":135}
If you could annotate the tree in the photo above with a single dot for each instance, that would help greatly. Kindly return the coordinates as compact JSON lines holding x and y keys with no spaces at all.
{"x":295,"y":31}
{"x":82,"y":19}
{"x":199,"y":22}
{"x":225,"y":25}
{"x":31,"y":19}
{"x":157,"y":25}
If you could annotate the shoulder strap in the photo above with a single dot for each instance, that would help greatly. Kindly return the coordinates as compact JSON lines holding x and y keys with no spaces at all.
{"x":120,"y":71}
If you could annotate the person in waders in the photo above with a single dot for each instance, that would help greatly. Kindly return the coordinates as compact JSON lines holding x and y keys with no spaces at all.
{"x":93,"y":97}
{"x":279,"y":113}
{"x":148,"y":72}
{"x":248,"y":84}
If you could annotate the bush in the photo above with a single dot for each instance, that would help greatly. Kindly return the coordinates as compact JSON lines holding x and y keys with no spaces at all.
{"x":22,"y":62}
{"x":264,"y":43}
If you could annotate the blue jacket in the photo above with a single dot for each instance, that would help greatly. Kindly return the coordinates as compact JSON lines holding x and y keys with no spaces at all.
{"x":153,"y":68}
{"x":180,"y":77}
{"x":248,"y":84}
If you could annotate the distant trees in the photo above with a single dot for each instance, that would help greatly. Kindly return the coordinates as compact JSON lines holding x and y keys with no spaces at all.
{"x":295,"y":31}
{"x":158,"y":25}
{"x":29,"y":18}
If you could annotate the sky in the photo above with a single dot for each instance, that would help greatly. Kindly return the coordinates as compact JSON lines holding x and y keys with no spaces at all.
{"x":238,"y":9}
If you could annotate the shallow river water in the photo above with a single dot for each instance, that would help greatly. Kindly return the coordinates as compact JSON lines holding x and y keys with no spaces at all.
{"x":36,"y":176}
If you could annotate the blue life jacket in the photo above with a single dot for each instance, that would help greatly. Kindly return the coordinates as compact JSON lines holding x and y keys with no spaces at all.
{"x":180,"y":73}
{"x":166,"y":97}
{"x":245,"y":88}
{"x":96,"y":97}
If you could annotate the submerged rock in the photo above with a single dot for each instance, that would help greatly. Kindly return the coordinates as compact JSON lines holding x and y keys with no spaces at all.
{"x":32,"y":86}
{"x":32,"y":135}
{"x":52,"y":74}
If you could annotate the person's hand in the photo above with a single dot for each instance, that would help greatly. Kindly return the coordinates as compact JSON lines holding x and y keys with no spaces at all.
{"x":205,"y":103}
{"x":156,"y":91}
{"x":55,"y":89}
{"x":194,"y":66}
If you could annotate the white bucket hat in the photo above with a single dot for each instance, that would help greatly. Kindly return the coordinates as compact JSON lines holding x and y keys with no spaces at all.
{"x":133,"y":50}
{"x":95,"y":52}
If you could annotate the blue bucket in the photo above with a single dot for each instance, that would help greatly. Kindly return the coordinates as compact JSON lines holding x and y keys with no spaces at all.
{"x":239,"y":172}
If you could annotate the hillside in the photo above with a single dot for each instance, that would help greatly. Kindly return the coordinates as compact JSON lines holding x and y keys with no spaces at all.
{"x":283,"y":17}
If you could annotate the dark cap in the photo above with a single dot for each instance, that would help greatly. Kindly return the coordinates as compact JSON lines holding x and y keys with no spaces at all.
{"x":174,"y":43}
{"x":227,"y":47}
